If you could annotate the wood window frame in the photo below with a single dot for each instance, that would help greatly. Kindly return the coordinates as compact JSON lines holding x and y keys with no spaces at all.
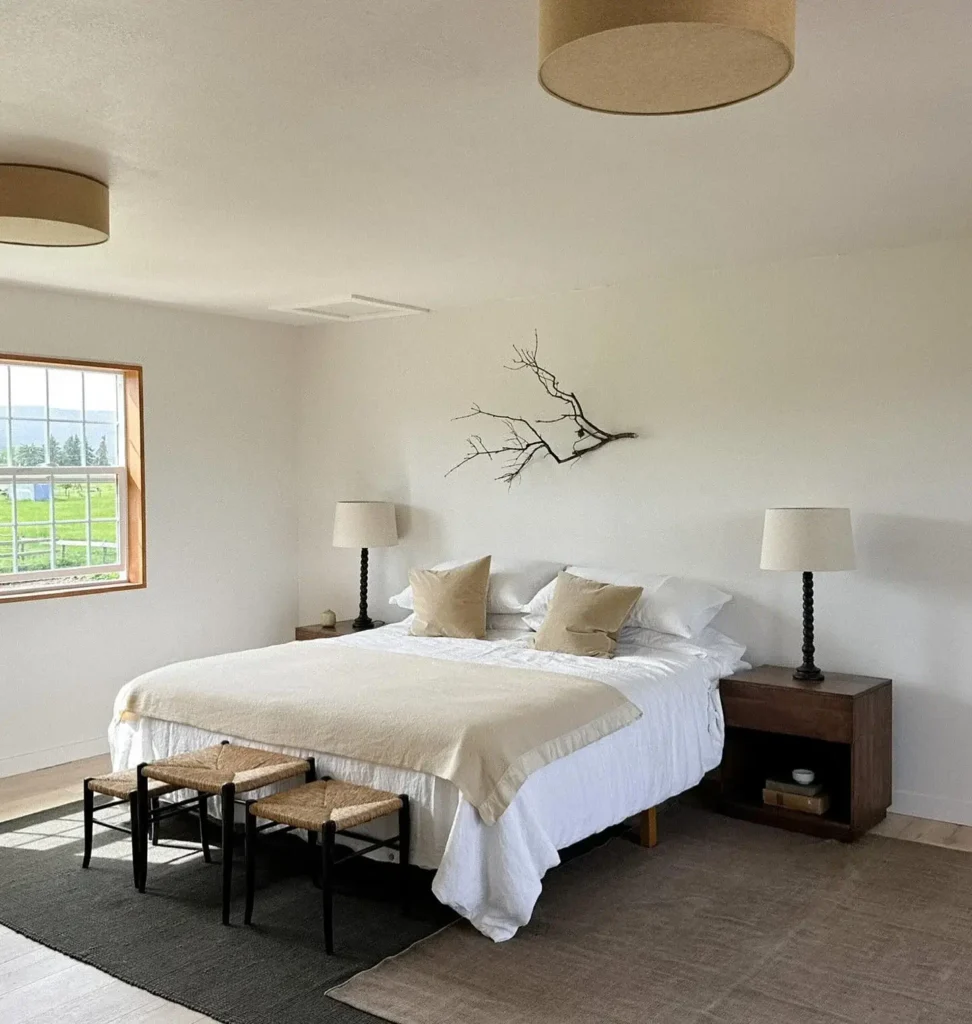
{"x":134,"y":441}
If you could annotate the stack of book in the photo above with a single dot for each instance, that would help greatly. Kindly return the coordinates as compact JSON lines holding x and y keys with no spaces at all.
{"x":810,"y":799}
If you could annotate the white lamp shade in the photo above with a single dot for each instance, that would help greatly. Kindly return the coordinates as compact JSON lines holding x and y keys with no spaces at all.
{"x":365,"y":524}
{"x":807,"y":540}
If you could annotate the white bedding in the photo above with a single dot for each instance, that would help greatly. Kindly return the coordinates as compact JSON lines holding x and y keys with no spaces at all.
{"x":492,"y":874}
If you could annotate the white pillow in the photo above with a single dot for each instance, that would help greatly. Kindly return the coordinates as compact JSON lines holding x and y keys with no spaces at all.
{"x":669,"y":604}
{"x":502,"y":622}
{"x":512,"y":585}
{"x":710,"y":644}
{"x":506,"y":622}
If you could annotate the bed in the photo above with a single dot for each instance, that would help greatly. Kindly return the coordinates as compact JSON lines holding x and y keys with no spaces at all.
{"x":492,"y":874}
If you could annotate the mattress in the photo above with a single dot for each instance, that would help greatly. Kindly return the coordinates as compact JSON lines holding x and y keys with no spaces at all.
{"x":492,"y":874}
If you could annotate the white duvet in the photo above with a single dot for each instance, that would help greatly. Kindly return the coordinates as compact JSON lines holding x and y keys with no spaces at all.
{"x":492,"y":874}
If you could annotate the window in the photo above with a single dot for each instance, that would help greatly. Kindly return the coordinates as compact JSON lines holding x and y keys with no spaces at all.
{"x":71,"y":494}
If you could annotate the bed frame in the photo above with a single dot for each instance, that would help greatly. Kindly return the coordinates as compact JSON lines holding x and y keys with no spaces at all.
{"x":648,"y":833}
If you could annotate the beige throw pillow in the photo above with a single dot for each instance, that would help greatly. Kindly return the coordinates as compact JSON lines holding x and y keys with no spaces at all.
{"x":585,"y":617}
{"x":451,"y":602}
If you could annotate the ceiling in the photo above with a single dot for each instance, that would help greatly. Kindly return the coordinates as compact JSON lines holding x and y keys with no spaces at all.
{"x":275,"y":153}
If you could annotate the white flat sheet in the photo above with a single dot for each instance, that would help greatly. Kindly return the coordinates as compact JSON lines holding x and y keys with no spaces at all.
{"x":492,"y":874}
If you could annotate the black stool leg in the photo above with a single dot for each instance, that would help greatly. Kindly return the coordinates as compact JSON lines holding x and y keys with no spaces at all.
{"x":328,"y":831}
{"x":311,"y":776}
{"x":312,"y":854}
{"x":404,"y":849}
{"x":88,"y":823}
{"x":155,"y":821}
{"x":250,"y":854}
{"x":227,"y":799}
{"x":203,"y":817}
{"x":138,"y":829}
{"x":136,"y":836}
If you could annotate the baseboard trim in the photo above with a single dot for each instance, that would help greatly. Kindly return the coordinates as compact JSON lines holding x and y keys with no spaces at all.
{"x":17,"y":764}
{"x":936,"y":808}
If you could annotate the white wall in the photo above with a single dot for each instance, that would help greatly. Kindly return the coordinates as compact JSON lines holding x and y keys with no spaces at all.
{"x":836,"y":381}
{"x":220,"y":460}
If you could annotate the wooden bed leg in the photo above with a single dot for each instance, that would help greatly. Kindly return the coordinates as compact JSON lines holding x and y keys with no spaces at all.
{"x":649,"y":827}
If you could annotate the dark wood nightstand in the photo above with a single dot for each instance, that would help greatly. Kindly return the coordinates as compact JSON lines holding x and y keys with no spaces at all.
{"x":319,"y":632}
{"x":840,"y":728}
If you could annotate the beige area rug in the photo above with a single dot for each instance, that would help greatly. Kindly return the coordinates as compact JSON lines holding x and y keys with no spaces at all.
{"x":723,"y":923}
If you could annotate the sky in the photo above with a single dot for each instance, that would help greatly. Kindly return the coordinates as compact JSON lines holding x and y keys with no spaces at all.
{"x":28,"y":387}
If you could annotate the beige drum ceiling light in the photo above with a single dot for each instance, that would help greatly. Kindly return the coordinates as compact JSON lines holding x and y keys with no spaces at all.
{"x":664,"y":56}
{"x":46,"y":206}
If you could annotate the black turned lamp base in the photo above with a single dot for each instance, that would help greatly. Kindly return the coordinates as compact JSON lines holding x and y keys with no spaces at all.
{"x":364,"y":620}
{"x":808,"y":671}
{"x":809,"y":674}
{"x":361,"y":624}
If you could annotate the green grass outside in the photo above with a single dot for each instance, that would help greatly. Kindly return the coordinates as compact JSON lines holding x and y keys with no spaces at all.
{"x":68,"y":504}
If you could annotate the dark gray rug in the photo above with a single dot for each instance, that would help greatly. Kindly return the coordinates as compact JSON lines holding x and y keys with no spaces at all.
{"x":170,"y":942}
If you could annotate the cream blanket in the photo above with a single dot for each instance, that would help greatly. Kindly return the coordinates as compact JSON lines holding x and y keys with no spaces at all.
{"x":485,"y":728}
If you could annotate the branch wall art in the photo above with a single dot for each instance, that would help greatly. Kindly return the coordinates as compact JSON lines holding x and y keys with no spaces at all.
{"x":524,"y":441}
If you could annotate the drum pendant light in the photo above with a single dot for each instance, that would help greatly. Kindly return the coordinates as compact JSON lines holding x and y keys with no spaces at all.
{"x":49,"y":207}
{"x":664,"y":56}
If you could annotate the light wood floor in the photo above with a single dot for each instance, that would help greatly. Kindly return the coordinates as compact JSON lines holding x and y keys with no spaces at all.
{"x":49,"y":787}
{"x":37,"y":984}
{"x":924,"y":830}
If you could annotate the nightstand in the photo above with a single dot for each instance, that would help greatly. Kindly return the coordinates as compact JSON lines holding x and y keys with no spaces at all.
{"x":840,"y":728}
{"x":319,"y":632}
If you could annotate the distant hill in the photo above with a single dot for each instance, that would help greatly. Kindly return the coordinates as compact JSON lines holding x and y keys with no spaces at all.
{"x":36,"y":412}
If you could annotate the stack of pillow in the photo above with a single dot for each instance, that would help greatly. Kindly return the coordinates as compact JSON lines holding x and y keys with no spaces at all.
{"x":577,"y":610}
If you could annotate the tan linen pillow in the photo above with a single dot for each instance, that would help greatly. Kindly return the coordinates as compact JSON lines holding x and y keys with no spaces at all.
{"x":585,"y":617}
{"x":451,"y":602}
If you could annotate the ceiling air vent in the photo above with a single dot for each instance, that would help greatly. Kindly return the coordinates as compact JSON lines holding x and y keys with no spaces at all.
{"x":351,"y":308}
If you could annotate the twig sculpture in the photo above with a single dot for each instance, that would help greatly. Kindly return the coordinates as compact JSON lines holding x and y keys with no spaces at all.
{"x":524,"y":442}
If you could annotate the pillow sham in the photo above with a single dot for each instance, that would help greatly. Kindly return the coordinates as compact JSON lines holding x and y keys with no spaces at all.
{"x":451,"y":602}
{"x":585,"y":617}
{"x":669,"y":604}
{"x":512,"y":584}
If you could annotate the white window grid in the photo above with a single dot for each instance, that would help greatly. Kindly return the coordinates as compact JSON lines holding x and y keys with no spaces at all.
{"x":19,"y":475}
{"x":82,"y":424}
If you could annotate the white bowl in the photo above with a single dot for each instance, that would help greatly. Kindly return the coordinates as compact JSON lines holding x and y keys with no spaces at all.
{"x":803,"y":776}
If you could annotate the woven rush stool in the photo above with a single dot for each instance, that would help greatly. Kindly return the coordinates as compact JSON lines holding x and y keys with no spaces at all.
{"x":332,"y":808}
{"x":224,"y":770}
{"x":123,"y":788}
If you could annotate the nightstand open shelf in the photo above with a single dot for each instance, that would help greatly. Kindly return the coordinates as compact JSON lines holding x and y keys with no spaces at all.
{"x":823,"y":825}
{"x":751,"y":757}
{"x":840,"y":729}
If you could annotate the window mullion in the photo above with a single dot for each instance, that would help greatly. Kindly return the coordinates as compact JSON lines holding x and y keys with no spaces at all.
{"x":8,"y":426}
{"x":87,"y":513}
{"x":47,"y":423}
{"x":13,"y":520}
{"x":84,"y":416}
{"x":50,"y":498}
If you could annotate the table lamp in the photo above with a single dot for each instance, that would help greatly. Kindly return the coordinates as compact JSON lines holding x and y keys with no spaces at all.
{"x":807,"y":540}
{"x":364,"y":524}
